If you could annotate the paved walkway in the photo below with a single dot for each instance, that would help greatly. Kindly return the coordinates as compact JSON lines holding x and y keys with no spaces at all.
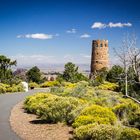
{"x":7,"y":101}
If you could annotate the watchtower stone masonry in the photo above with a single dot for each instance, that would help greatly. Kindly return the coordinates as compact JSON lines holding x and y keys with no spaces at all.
{"x":99,"y":56}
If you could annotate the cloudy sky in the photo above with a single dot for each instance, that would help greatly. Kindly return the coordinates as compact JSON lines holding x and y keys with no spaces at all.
{"x":57,"y":31}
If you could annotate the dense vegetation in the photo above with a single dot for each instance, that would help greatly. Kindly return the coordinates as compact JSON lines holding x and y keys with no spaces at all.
{"x":96,"y":109}
{"x":8,"y":82}
{"x":93,"y":112}
{"x":71,"y":74}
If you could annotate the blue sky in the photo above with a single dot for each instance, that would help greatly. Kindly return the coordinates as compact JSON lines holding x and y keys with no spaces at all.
{"x":57,"y":31}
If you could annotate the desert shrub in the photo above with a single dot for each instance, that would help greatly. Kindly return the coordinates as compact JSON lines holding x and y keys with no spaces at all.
{"x":106,"y":98}
{"x":96,"y":132}
{"x":84,"y":120}
{"x":108,"y":86}
{"x":85,"y":92}
{"x":64,"y":89}
{"x":15,"y":88}
{"x":57,"y":90}
{"x":3,"y":87}
{"x":106,"y":101}
{"x":84,"y":132}
{"x":95,"y":114}
{"x":33,"y":85}
{"x":19,"y":88}
{"x":79,"y":90}
{"x":128,"y":112}
{"x":59,"y":109}
{"x":105,"y":132}
{"x":50,"y":84}
{"x":32,"y":102}
{"x":130,"y":134}
{"x":68,"y":84}
{"x":54,"y":108}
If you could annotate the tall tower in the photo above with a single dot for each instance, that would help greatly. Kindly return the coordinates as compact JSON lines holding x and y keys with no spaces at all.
{"x":99,"y":57}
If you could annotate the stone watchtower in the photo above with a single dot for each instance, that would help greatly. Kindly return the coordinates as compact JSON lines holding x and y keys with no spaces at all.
{"x":99,"y":57}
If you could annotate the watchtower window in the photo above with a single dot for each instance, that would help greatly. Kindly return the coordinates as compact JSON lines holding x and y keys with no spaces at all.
{"x":96,"y":45}
{"x":101,"y":45}
{"x":96,"y":61}
{"x":105,"y":45}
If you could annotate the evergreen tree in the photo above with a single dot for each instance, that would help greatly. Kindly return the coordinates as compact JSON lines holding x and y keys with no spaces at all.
{"x":34,"y":75}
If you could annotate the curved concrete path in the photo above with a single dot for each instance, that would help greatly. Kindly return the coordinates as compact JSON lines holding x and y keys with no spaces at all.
{"x":7,"y":102}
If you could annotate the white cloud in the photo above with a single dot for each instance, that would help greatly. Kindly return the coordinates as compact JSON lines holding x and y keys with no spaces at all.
{"x":113,"y":25}
{"x":20,"y":36}
{"x":44,"y":60}
{"x":85,"y":56}
{"x":36,"y":36}
{"x":68,"y":57}
{"x":33,"y":59}
{"x":85,"y":36}
{"x":71,"y":31}
{"x":100,"y":25}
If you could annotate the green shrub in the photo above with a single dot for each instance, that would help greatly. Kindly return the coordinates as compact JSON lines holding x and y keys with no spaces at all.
{"x":108,"y":86}
{"x":106,"y":98}
{"x":32,"y":102}
{"x":57,"y":90}
{"x":17,"y":88}
{"x":80,"y":90}
{"x":84,"y":120}
{"x":3,"y":87}
{"x":84,"y":132}
{"x":95,"y":114}
{"x":10,"y":89}
{"x":33,"y":85}
{"x":54,"y":108}
{"x":105,"y":132}
{"x":50,"y":84}
{"x":130,"y":134}
{"x":59,"y":109}
{"x":68,"y":84}
{"x":128,"y":112}
{"x":96,"y":132}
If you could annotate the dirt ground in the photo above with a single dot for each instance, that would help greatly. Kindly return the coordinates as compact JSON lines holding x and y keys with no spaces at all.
{"x":28,"y":127}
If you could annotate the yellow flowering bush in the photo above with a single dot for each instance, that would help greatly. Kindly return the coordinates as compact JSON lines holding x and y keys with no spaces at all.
{"x":53,"y":108}
{"x":95,"y":114}
{"x":128,"y":112}
{"x":68,"y":84}
{"x":4,"y":88}
{"x":107,"y":86}
{"x":15,"y":88}
{"x":32,"y":102}
{"x":33,"y":85}
{"x":105,"y":132}
{"x":89,"y":119}
{"x":96,"y":132}
{"x":130,"y":134}
{"x":50,"y":84}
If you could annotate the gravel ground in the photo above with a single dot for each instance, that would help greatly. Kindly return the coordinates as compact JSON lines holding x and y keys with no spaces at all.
{"x":21,"y":123}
